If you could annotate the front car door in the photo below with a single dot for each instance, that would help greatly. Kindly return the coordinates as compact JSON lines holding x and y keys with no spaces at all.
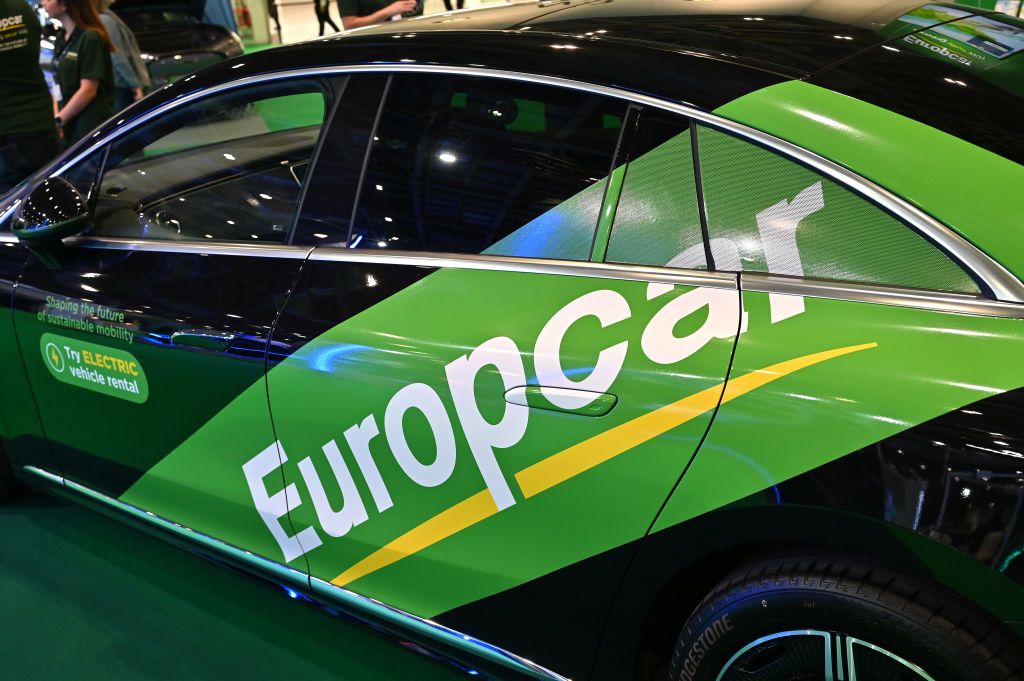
{"x":160,"y":315}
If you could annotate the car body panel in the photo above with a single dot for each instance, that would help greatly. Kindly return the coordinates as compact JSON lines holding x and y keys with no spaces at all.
{"x":563,"y":467}
{"x":107,"y":438}
{"x":942,"y":79}
{"x":421,"y":522}
{"x":832,"y":412}
{"x":793,"y":38}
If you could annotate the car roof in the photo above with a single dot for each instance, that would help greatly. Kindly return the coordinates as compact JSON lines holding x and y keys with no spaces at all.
{"x":795,"y":38}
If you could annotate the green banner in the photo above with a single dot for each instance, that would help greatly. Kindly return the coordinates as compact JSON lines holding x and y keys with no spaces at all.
{"x":105,"y":370}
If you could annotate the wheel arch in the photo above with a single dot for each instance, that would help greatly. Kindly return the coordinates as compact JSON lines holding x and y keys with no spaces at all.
{"x":675,"y":568}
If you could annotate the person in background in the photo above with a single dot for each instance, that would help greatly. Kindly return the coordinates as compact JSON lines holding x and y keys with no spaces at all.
{"x":272,"y":13}
{"x":131,"y":79}
{"x":28,"y":138}
{"x":356,"y":13}
{"x":323,"y":14}
{"x":81,"y":62}
{"x":448,"y":4}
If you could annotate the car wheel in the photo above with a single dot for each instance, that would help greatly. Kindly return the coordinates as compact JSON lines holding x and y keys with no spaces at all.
{"x":811,"y":619}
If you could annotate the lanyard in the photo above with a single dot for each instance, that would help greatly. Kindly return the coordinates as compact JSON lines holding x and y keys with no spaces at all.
{"x":57,"y":58}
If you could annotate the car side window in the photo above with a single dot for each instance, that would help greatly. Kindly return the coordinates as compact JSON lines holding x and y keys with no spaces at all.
{"x":657,"y":219}
{"x":482,"y":165}
{"x":769,"y":214}
{"x":229,"y":167}
{"x":327,"y":206}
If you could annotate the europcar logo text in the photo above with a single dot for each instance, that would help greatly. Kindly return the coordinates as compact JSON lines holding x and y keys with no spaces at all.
{"x":11,"y":22}
{"x":777,"y":227}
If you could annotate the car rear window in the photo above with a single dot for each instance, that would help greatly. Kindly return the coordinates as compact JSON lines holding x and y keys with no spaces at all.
{"x":769,"y":214}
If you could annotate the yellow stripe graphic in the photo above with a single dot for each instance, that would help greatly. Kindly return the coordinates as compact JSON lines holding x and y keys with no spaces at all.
{"x":478,"y":507}
{"x":580,"y":458}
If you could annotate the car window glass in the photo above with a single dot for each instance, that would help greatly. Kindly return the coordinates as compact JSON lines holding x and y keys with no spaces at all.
{"x":478,"y":165}
{"x":228,"y":168}
{"x":657,"y":221}
{"x":82,"y":175}
{"x":769,"y":214}
{"x":327,"y":205}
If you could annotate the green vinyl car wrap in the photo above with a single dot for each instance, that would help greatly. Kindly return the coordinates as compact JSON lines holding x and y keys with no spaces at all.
{"x":732,"y":366}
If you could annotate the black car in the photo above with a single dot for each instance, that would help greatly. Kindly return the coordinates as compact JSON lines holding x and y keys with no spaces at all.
{"x":590,"y":340}
{"x":173,"y":38}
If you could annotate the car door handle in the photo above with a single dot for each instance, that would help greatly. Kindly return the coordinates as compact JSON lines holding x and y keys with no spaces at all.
{"x":204,"y":339}
{"x":572,"y":401}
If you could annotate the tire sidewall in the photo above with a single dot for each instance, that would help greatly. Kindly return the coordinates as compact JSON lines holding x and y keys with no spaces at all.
{"x":721,"y":629}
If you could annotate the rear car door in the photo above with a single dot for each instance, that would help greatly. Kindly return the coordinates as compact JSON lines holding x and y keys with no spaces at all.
{"x":879,"y":342}
{"x":462,"y":401}
{"x":160,"y":315}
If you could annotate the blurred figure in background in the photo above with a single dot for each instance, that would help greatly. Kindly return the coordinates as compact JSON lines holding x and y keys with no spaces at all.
{"x":81,"y":62}
{"x":356,"y":13}
{"x":131,"y":79}
{"x":323,"y":14}
{"x":28,"y":138}
{"x":448,"y":4}
{"x":272,"y":13}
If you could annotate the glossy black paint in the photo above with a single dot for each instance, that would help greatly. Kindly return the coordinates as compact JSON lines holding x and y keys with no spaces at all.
{"x":934,"y":92}
{"x":160,"y":293}
{"x":790,"y":38}
{"x":328,"y":293}
{"x":793,"y":46}
{"x":556,"y":620}
{"x":702,"y":81}
{"x":958,"y":479}
{"x":54,"y":207}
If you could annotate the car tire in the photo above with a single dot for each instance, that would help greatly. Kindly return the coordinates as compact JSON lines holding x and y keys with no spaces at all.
{"x":791,"y":619}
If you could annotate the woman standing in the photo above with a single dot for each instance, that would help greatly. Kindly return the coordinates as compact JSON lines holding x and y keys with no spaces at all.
{"x":81,"y":62}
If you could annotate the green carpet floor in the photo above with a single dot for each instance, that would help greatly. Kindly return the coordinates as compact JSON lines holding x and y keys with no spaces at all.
{"x":84,"y":597}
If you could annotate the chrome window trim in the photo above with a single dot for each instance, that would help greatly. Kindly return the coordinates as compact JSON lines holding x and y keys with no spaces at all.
{"x":501,"y":263}
{"x":940,"y":301}
{"x":1003,"y":285}
{"x":195,"y":247}
{"x":463,"y":261}
{"x":302,"y":580}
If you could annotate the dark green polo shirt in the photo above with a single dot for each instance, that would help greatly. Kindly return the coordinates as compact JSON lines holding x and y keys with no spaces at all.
{"x":85,"y":55}
{"x":360,"y":8}
{"x":26,"y":105}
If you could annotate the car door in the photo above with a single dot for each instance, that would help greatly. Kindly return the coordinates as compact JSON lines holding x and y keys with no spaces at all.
{"x":463,"y":402}
{"x":159,"y":316}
